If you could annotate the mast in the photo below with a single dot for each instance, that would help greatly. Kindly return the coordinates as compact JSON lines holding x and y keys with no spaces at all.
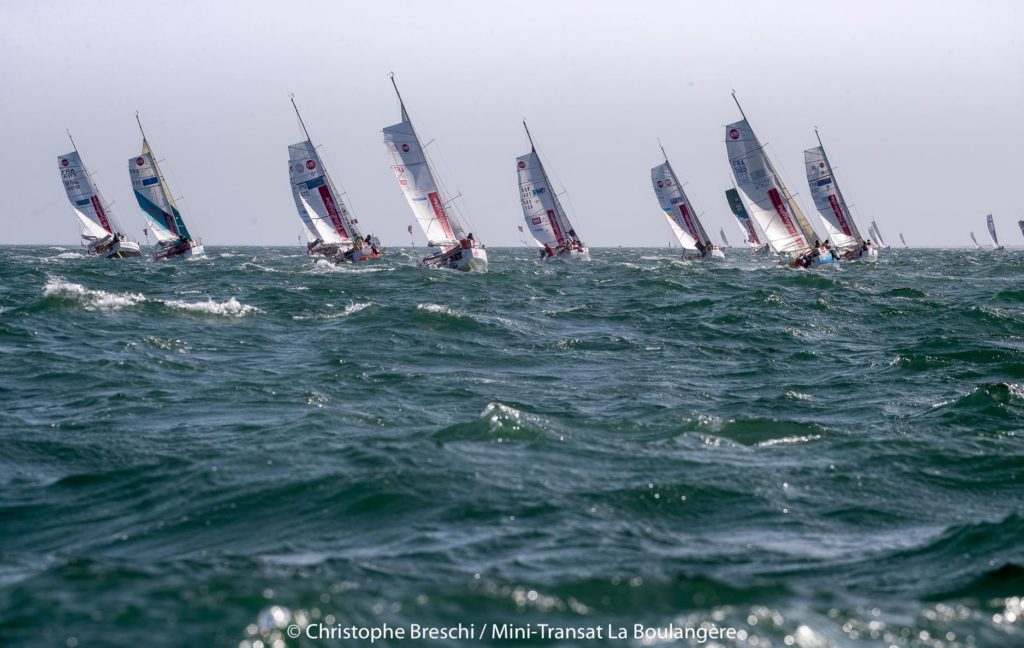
{"x":839,"y":191}
{"x":73,"y":145}
{"x":562,"y":217}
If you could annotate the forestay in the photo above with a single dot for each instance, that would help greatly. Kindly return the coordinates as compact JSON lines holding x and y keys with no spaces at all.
{"x":677,"y":207}
{"x":319,"y":205}
{"x":839,"y":223}
{"x":765,"y":196}
{"x":85,"y":198}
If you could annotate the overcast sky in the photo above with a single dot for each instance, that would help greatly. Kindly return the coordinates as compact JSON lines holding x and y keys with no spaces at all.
{"x":918,"y":103}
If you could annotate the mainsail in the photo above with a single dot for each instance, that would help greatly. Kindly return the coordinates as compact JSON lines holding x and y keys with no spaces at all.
{"x":97,"y":223}
{"x":828,"y":199}
{"x":725,"y":241}
{"x":763,"y":192}
{"x":903,"y":240}
{"x":976,"y":244}
{"x":1020,"y":224}
{"x":417,"y":179}
{"x":154,"y":197}
{"x":992,"y":231}
{"x":545,"y":216}
{"x":745,"y":221}
{"x":875,"y":234}
{"x":682,"y":217}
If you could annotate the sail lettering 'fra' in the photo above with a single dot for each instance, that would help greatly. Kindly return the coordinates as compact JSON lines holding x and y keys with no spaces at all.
{"x":101,"y":215}
{"x":688,"y":221}
{"x":555,"y":228}
{"x":780,"y":209}
{"x":332,"y":210}
{"x":839,"y":215}
{"x":442,"y":217}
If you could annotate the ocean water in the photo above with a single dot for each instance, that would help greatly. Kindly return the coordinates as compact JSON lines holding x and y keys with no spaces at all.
{"x":207,"y":453}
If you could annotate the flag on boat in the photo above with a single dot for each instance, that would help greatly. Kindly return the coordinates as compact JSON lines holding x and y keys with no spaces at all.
{"x":520,"y":229}
{"x":145,"y":231}
{"x":410,"y":229}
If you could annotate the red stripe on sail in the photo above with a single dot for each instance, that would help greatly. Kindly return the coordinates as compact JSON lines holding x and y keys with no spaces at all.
{"x":839,"y":215}
{"x":688,"y":221}
{"x":751,"y":232}
{"x":555,"y":228}
{"x":332,"y":210}
{"x":780,"y":209}
{"x":101,"y":214}
{"x":441,"y":215}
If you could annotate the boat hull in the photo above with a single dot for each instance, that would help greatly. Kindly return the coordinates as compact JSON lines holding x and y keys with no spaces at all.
{"x":570,"y":255}
{"x":817,"y":262}
{"x":462,"y":258}
{"x":122,"y":250}
{"x":192,"y":249}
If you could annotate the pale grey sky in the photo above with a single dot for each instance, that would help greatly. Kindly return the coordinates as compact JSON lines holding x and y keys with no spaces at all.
{"x":918,"y":104}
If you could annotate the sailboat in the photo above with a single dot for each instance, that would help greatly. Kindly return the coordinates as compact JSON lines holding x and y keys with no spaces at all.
{"x":876,"y":236}
{"x":903,"y":240}
{"x":545,"y":216}
{"x":835,"y":214}
{"x":332,"y":231}
{"x":173,"y":237}
{"x":992,"y":233}
{"x":101,"y":234}
{"x":681,"y":215}
{"x":976,"y":244}
{"x":1020,"y":224}
{"x":768,"y":201}
{"x":747,"y":224}
{"x":721,"y":234}
{"x":457,"y":250}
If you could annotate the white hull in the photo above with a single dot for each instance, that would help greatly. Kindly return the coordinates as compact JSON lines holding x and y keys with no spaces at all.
{"x":192,"y":249}
{"x":458,"y":258}
{"x":694,"y":255}
{"x":570,"y":255}
{"x":118,"y":250}
{"x":339,"y":254}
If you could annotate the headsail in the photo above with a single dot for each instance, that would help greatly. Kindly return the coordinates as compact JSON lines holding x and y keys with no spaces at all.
{"x":682,"y":217}
{"x":992,"y":231}
{"x":97,"y":223}
{"x":418,"y":183}
{"x":765,"y":195}
{"x":154,"y":197}
{"x":545,"y":216}
{"x":828,"y":199}
{"x":745,"y":221}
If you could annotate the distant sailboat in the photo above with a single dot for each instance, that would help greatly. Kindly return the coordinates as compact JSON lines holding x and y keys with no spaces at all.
{"x":992,"y":233}
{"x":721,"y":234}
{"x":101,"y":234}
{"x":747,"y":224}
{"x":333,"y":232}
{"x":1020,"y":224}
{"x":876,"y":235}
{"x":976,"y":244}
{"x":173,"y":237}
{"x":766,"y":198}
{"x":544,"y":214}
{"x":681,"y":215}
{"x":903,"y":240}
{"x":828,"y":200}
{"x":457,"y":249}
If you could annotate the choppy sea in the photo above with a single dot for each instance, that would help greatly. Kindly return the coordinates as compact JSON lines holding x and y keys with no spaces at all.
{"x":208,"y":453}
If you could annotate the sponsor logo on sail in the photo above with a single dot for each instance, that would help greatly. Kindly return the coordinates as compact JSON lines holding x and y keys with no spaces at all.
{"x":536,"y":220}
{"x":140,"y":161}
{"x":660,"y":184}
{"x":821,"y":165}
{"x":734,"y":134}
{"x":405,"y":148}
{"x":522,"y":164}
{"x":310,"y":164}
{"x":668,"y":183}
{"x":64,"y":163}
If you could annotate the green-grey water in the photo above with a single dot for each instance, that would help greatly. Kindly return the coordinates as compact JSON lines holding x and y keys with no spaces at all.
{"x":205,"y":453}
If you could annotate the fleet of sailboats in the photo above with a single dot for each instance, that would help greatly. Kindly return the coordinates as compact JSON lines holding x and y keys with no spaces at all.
{"x":454,"y":247}
{"x":173,"y":238}
{"x":766,"y":211}
{"x":682,"y":217}
{"x":548,"y":222}
{"x":332,"y":232}
{"x":101,"y":234}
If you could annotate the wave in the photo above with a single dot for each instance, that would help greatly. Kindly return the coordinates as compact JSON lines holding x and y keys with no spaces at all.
{"x":95,"y":299}
{"x":351,"y":309}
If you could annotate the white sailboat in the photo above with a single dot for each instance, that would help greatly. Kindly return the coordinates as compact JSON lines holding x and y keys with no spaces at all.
{"x":333,"y":233}
{"x":721,"y":234}
{"x":544,"y":214}
{"x":768,"y":201}
{"x":173,"y":237}
{"x":832,"y":207}
{"x":1020,"y":224}
{"x":976,"y":244}
{"x":903,"y":240}
{"x":101,"y":234}
{"x":992,"y":233}
{"x":747,"y":225}
{"x":457,"y":250}
{"x":681,"y":215}
{"x":876,"y":236}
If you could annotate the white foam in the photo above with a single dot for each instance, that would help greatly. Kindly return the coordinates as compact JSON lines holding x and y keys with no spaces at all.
{"x":230,"y":308}
{"x":437,"y":308}
{"x":351,"y":309}
{"x":90,"y":298}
